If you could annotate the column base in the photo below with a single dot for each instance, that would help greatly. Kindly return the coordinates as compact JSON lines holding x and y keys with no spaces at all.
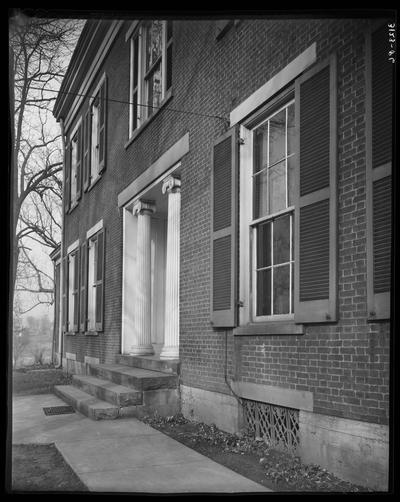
{"x":169,"y":353}
{"x":146,"y":350}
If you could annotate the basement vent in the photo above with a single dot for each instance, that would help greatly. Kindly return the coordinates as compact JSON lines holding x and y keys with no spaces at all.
{"x":278,"y":426}
{"x":58,"y":410}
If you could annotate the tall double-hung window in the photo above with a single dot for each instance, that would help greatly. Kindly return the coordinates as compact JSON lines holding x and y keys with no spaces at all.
{"x":274,"y":177}
{"x":150,"y":70}
{"x":273,"y":212}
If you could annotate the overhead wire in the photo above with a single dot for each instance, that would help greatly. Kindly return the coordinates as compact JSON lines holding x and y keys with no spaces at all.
{"x":131,"y":103}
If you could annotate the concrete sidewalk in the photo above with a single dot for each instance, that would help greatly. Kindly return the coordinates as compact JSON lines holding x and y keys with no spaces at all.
{"x":123,"y":455}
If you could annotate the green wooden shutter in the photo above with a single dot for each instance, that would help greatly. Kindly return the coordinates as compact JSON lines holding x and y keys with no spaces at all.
{"x":67,"y":183}
{"x":102,"y":125}
{"x":76,"y":292}
{"x":86,"y":148}
{"x":316,"y":198}
{"x":79,"y":163}
{"x":224,"y":231}
{"x":99,"y":264}
{"x":379,"y":102}
{"x":83,"y":289}
{"x":65,"y":295}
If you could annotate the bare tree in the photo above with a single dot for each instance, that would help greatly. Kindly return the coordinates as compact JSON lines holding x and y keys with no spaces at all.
{"x":41,"y":50}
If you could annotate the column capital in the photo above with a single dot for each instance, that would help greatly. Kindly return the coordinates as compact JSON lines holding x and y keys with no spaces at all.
{"x":171,"y":184}
{"x":144,"y":207}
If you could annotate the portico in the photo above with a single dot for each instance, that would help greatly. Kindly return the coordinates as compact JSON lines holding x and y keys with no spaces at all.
{"x":150,"y":307}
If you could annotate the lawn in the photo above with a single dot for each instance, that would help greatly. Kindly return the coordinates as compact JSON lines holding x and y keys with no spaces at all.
{"x":39,"y":379}
{"x":41,"y":467}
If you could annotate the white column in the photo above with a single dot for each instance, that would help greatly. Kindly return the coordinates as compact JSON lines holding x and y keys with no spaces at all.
{"x":170,"y":350}
{"x":142,"y":303}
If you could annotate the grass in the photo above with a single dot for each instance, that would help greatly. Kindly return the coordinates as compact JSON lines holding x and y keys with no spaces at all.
{"x":42,"y":468}
{"x":37,"y":379}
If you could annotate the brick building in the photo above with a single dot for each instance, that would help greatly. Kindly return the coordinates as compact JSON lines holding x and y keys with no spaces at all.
{"x":228,"y":223}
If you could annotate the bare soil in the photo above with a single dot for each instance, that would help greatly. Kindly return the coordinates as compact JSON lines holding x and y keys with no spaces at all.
{"x":252,"y":458}
{"x":42,"y":468}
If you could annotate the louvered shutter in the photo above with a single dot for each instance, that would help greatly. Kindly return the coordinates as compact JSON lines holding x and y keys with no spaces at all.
{"x":86,"y":148}
{"x":102,"y":125}
{"x":67,"y":183}
{"x":76,"y":292}
{"x":224,"y":200}
{"x":65,"y":295}
{"x":83,"y":288}
{"x":316,"y":198}
{"x":79,"y":163}
{"x":99,"y":281}
{"x":380,"y":74}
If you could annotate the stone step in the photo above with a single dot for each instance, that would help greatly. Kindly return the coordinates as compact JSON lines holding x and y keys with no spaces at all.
{"x":137,"y":378}
{"x":150,"y":363}
{"x":107,"y":391}
{"x":90,"y":406}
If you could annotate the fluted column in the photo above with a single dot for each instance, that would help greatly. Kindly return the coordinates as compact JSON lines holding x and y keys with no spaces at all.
{"x":142,"y":304}
{"x":171,"y":186}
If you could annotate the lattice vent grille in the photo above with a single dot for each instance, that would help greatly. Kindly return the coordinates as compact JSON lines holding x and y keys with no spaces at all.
{"x":278,"y":426}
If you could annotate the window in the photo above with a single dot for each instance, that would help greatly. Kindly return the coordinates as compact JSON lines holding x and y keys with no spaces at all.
{"x":273,"y":209}
{"x":73,"y":173}
{"x":94,"y":163}
{"x":379,"y":103}
{"x":92,"y":278}
{"x":150,"y":70}
{"x":94,"y":147}
{"x":287,"y":191}
{"x":71,"y":291}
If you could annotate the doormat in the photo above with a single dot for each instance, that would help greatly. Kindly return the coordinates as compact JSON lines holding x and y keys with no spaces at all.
{"x":58,"y":410}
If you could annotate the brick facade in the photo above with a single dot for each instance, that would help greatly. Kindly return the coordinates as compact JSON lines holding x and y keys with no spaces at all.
{"x":344,"y":364}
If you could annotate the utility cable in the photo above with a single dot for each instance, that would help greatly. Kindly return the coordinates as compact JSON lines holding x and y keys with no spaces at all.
{"x":136,"y":104}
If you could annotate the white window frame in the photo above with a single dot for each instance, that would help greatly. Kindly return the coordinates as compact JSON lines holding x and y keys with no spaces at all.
{"x":71,"y":252}
{"x":74,"y":146}
{"x":139,"y":30}
{"x":95,"y":148}
{"x":248,"y":225}
{"x":91,"y":237}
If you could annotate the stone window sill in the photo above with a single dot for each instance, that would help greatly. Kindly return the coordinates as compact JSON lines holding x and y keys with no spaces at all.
{"x":270,"y":329}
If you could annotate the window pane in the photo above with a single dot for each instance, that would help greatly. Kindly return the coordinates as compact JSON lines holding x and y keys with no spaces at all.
{"x":264,"y":292}
{"x":260,"y":195}
{"x":290,"y":130}
{"x":135,"y":61}
{"x":281,"y":289}
{"x":154,"y":90}
{"x":153,"y":42}
{"x":91,"y":286}
{"x":95,"y":140}
{"x":277,"y":187}
{"x":264,"y":245}
{"x":281,"y":231}
{"x":261,"y":148}
{"x":169,"y":29}
{"x":291,"y":164}
{"x":73,"y":169}
{"x":277,"y":149}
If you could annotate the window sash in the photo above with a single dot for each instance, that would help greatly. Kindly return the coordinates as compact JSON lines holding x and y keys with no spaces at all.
{"x":272,"y":267}
{"x":95,"y":147}
{"x":139,"y":90}
{"x":271,"y":217}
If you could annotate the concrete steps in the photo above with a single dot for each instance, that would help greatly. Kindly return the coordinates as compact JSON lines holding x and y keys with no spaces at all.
{"x":150,"y":363}
{"x":138,"y":378}
{"x":110,"y":391}
{"x":107,"y":391}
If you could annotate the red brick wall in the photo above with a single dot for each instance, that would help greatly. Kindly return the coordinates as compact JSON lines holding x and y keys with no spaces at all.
{"x":344,"y":364}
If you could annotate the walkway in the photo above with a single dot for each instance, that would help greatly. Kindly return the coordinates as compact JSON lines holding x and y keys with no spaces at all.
{"x":123,"y":455}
